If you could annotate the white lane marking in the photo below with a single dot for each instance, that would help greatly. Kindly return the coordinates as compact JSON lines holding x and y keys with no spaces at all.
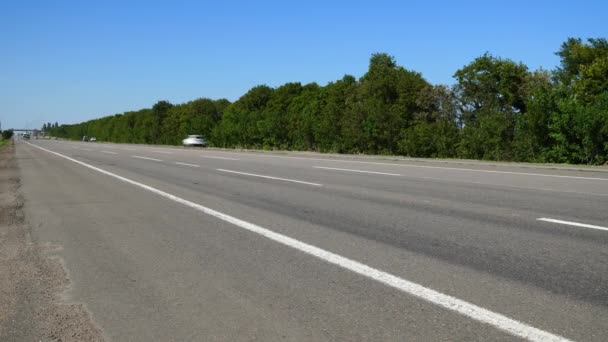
{"x":129,"y":149}
{"x":224,"y":158}
{"x":360,"y":171}
{"x":462,"y":307}
{"x":108,"y":152}
{"x":430,"y":167}
{"x":270,"y":177}
{"x":86,"y":149}
{"x":186,"y":164}
{"x":165,"y":152}
{"x":576,"y":224}
{"x":530,"y":188}
{"x":140,"y":157}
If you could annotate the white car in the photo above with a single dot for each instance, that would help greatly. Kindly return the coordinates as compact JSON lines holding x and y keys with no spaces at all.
{"x":194,"y":140}
{"x":93,"y":139}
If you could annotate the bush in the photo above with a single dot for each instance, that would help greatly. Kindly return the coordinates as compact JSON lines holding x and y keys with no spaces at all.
{"x":7,"y":134}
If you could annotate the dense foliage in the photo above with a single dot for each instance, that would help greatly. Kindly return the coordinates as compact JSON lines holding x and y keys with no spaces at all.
{"x":7,"y":134}
{"x":497,"y":110}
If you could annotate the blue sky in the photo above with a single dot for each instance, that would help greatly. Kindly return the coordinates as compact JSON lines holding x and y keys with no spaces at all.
{"x":72,"y":61}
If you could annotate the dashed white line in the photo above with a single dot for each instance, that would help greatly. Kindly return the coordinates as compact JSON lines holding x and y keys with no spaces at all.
{"x":224,"y":158}
{"x":429,"y":167}
{"x":270,"y":177}
{"x":86,"y":149}
{"x":462,"y":307}
{"x":359,"y":171}
{"x":140,"y":157}
{"x":108,"y":152}
{"x":186,"y":164}
{"x":575,"y":224}
{"x":165,"y":152}
{"x":129,"y":149}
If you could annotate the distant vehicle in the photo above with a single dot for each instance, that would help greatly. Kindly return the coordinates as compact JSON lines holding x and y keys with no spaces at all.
{"x":93,"y":139}
{"x":85,"y":138}
{"x":194,"y":140}
{"x":26,"y":136}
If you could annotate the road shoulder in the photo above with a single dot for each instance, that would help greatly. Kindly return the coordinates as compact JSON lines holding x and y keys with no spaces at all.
{"x":31,"y":305}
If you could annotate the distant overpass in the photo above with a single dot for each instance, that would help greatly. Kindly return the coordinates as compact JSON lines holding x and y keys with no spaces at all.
{"x":24,"y":130}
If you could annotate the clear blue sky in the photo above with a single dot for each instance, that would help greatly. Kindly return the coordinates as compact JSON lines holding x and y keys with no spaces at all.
{"x":70,"y":61}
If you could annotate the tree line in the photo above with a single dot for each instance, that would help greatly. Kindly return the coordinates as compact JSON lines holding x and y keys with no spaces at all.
{"x":497,"y":109}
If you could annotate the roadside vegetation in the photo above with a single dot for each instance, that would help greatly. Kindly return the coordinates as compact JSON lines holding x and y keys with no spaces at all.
{"x":5,"y":137}
{"x":497,"y":109}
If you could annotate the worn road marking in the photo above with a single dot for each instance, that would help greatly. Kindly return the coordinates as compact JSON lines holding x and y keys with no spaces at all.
{"x":270,"y":177}
{"x":428,"y":167}
{"x":360,"y":171}
{"x":140,"y":157}
{"x":129,"y":149}
{"x":108,"y":152}
{"x":576,"y":224}
{"x":165,"y":152}
{"x":464,"y":308}
{"x":223,"y":158}
{"x":186,"y":164}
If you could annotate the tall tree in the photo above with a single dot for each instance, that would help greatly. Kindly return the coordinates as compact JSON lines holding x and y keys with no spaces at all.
{"x":491,"y":92}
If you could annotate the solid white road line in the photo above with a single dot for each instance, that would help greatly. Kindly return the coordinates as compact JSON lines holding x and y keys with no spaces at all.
{"x":108,"y":152}
{"x":360,"y":171}
{"x":140,"y":157}
{"x":429,"y":167}
{"x":165,"y":152}
{"x":186,"y":164}
{"x":576,"y":224}
{"x":224,"y":158}
{"x":270,"y":177}
{"x":464,"y":308}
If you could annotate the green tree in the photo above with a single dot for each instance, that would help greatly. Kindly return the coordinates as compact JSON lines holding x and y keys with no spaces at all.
{"x":387,"y":103}
{"x":239,"y":124}
{"x":7,"y":134}
{"x":434,"y":130}
{"x":491,"y":92}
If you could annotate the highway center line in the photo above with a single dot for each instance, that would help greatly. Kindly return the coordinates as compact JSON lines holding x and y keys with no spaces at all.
{"x":462,"y":307}
{"x":224,"y":158}
{"x":108,"y":152}
{"x":360,"y":171}
{"x":270,"y":177}
{"x":576,"y":224}
{"x":193,"y":165}
{"x":140,"y":157}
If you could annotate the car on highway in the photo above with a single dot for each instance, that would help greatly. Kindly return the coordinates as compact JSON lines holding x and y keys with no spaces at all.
{"x":195,"y":140}
{"x":93,"y":139}
{"x":85,"y":138}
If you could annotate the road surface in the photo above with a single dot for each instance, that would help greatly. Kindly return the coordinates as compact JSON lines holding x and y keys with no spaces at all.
{"x":174,"y":244}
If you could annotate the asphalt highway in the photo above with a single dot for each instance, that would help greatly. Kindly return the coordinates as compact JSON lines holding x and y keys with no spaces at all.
{"x":176,"y":244}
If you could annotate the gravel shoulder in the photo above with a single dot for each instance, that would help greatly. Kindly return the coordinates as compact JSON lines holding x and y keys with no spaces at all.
{"x":32,"y":281}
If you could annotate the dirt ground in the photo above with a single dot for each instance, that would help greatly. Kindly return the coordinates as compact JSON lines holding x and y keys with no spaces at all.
{"x":31,"y":282}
